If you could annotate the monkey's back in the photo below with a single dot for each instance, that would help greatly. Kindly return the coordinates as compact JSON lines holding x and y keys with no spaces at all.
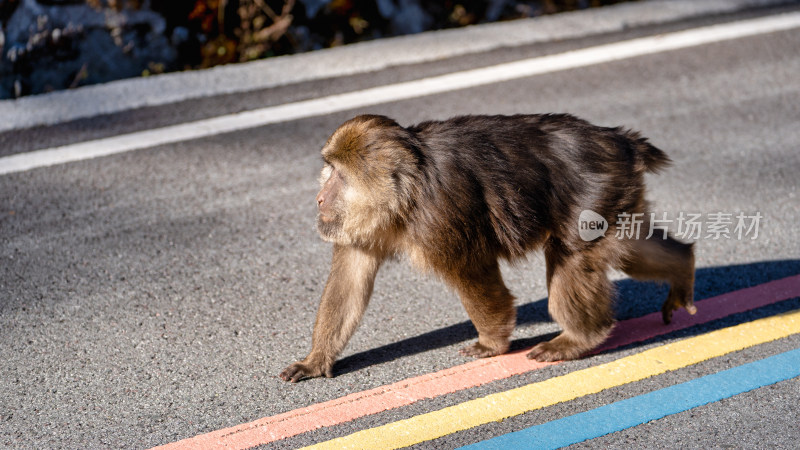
{"x":503,"y":184}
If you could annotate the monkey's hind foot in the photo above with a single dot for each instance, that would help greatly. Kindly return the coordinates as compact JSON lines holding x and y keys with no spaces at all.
{"x":478,"y":350}
{"x":677,"y":299}
{"x":560,"y":348}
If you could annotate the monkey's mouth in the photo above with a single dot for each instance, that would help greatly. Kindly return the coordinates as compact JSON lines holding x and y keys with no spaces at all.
{"x":328,"y":226}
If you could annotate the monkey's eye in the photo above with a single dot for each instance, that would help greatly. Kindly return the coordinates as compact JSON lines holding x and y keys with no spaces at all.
{"x":335,"y":172}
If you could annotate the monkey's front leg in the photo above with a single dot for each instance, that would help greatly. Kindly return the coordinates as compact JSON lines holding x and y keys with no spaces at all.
{"x":344,"y":300}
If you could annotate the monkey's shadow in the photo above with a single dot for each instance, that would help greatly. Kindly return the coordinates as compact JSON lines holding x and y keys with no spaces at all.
{"x":634,"y":299}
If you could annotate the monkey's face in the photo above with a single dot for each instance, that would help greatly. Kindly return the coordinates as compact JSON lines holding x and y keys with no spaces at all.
{"x":348,"y":211}
{"x":330,"y":217}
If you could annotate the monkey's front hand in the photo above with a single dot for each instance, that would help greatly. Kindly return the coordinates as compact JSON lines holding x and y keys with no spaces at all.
{"x":306,"y":369}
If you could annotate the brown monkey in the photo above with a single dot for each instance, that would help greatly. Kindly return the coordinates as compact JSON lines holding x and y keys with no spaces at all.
{"x":455,"y":196}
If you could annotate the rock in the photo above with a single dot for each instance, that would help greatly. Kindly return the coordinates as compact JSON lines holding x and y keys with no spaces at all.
{"x":313,"y":6}
{"x":405,"y":16}
{"x":60,"y":44}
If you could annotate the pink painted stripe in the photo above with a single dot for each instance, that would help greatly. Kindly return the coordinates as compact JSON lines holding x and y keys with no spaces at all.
{"x":475,"y":373}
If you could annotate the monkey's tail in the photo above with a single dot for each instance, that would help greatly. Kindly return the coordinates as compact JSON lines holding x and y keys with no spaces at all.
{"x":648,"y":158}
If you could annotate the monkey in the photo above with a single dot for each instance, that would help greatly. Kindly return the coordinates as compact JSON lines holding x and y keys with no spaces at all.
{"x":457,"y":196}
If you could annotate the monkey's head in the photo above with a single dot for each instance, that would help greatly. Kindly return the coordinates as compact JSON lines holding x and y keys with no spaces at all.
{"x":371,"y":170}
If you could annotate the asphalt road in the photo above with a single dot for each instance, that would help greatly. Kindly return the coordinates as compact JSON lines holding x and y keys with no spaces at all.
{"x":155,"y":295}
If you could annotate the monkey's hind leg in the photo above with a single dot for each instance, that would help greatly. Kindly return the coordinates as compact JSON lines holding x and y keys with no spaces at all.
{"x":490,"y":307}
{"x":667,"y":260}
{"x":579,"y":300}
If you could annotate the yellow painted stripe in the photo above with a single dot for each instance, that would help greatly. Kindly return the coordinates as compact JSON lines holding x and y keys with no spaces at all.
{"x":568,"y":387}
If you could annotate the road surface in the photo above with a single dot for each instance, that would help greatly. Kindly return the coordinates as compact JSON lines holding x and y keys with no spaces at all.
{"x":154,"y":295}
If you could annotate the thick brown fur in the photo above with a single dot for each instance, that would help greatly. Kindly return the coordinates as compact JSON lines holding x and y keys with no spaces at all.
{"x":457,"y":195}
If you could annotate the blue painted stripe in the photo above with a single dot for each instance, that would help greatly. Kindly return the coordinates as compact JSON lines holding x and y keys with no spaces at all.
{"x":654,"y":405}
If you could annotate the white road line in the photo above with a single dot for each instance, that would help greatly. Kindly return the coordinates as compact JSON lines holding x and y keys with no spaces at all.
{"x":395,"y":92}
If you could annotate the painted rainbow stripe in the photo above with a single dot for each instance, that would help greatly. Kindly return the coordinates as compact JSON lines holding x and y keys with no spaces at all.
{"x":513,"y":402}
{"x":651,"y":406}
{"x":474,"y":373}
